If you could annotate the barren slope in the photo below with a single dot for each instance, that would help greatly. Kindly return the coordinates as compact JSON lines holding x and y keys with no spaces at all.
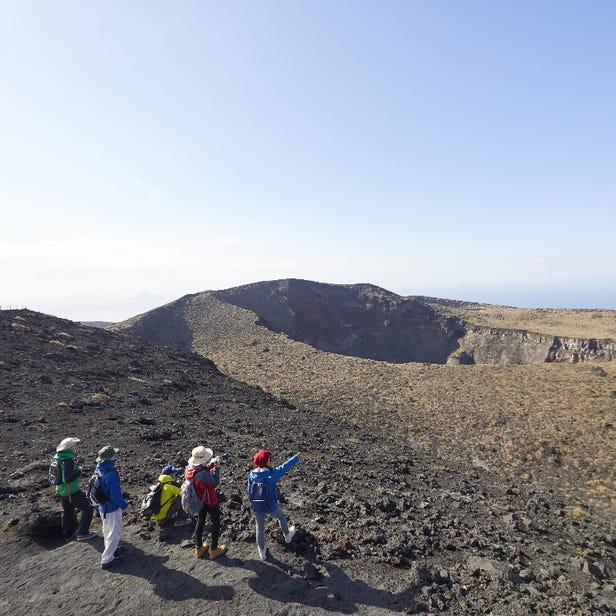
{"x":382,"y":528}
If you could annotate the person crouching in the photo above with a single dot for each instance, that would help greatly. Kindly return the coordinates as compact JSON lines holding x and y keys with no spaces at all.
{"x":171,"y":511}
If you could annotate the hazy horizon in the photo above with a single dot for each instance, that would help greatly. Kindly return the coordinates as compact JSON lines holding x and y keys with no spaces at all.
{"x":121,"y":309}
{"x":463,"y":150}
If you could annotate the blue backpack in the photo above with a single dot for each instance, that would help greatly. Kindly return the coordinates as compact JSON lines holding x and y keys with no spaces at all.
{"x":260,"y":496}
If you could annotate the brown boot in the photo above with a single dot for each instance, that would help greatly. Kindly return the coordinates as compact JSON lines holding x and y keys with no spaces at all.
{"x":199,"y":552}
{"x":221,"y":549}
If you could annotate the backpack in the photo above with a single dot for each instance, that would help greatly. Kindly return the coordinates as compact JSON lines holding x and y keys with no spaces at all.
{"x":191,"y":503}
{"x":63,"y":471}
{"x":151,"y":505}
{"x":260,"y":496}
{"x":55,"y":473}
{"x":95,"y":493}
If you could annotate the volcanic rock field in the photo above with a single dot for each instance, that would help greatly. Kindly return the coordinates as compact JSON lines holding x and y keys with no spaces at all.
{"x":442,"y":502}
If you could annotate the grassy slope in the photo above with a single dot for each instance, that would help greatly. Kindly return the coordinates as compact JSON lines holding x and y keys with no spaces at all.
{"x":551,"y":421}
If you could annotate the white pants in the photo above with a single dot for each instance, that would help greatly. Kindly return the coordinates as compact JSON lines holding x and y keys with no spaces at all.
{"x":112,"y":531}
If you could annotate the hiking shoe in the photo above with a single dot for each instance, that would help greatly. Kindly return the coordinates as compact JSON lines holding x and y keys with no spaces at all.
{"x":262,"y":553}
{"x":117,"y":560}
{"x":216,"y":552}
{"x":71,"y":536}
{"x":199,"y":552}
{"x":289,"y":536}
{"x":90,"y":535}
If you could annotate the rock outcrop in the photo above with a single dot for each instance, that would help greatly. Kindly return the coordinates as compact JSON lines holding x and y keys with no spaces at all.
{"x":485,"y":345}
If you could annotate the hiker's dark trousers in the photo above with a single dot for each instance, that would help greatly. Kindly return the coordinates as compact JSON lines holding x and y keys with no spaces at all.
{"x":80,"y":502}
{"x":214,"y":513}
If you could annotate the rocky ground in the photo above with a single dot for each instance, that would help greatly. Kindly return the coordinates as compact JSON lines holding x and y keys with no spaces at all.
{"x":553,"y":422}
{"x":385,"y":526}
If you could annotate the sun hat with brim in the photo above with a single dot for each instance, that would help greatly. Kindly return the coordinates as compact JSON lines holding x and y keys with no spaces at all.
{"x":200,"y":455}
{"x":68,"y":444}
{"x":261,"y":458}
{"x":106,"y":453}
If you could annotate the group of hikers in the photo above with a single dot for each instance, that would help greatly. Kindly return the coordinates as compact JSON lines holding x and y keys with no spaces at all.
{"x":177,"y":499}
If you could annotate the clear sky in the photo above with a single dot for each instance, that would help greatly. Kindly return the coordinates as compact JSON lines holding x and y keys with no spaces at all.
{"x":455,"y":148}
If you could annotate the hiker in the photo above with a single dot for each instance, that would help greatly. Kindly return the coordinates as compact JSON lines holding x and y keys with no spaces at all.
{"x":110,"y":511}
{"x":171,"y":511}
{"x":68,"y":488}
{"x":263,"y":498}
{"x":204,"y":472}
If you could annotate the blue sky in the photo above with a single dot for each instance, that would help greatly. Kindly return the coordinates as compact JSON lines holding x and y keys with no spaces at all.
{"x":464,"y":150}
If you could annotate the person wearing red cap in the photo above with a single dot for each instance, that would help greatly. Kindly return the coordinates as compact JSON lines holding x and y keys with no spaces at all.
{"x":263,"y":498}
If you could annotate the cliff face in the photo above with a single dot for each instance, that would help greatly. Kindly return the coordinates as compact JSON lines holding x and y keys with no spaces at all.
{"x":483,"y":345}
{"x":358,"y":320}
{"x":579,"y":349}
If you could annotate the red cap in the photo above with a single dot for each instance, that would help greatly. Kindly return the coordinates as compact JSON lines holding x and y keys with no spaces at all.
{"x":261,"y":458}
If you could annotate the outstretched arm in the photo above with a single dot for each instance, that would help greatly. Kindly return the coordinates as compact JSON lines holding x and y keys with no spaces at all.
{"x":285,"y":467}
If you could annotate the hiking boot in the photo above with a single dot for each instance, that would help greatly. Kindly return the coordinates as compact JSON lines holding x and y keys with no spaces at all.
{"x":117,"y":560}
{"x":87,"y":536}
{"x":289,"y":536}
{"x":199,"y":552}
{"x":262,"y":553}
{"x":71,"y":536}
{"x":216,"y":552}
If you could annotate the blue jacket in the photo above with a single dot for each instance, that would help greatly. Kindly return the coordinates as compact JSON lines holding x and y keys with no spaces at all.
{"x":110,"y":483}
{"x":271,"y":477}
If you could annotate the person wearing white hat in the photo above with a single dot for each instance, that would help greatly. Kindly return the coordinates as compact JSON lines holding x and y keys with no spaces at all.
{"x":68,"y":489}
{"x":204,"y":471}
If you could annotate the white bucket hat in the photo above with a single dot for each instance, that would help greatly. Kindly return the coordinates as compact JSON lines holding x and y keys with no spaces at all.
{"x":68,"y":444}
{"x":200,"y":455}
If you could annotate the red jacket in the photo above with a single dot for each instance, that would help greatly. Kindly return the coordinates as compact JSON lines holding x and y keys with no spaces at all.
{"x":205,"y":479}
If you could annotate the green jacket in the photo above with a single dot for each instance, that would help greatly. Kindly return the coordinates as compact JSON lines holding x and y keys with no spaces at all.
{"x":71,"y":474}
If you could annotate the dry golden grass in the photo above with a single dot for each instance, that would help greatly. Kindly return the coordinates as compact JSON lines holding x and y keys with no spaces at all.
{"x":599,"y":324}
{"x":136,"y":379}
{"x":550,"y":422}
{"x":98,"y":397}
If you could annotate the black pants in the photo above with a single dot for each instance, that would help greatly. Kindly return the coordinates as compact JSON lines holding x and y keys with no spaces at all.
{"x":214,"y":513}
{"x":69,"y":522}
